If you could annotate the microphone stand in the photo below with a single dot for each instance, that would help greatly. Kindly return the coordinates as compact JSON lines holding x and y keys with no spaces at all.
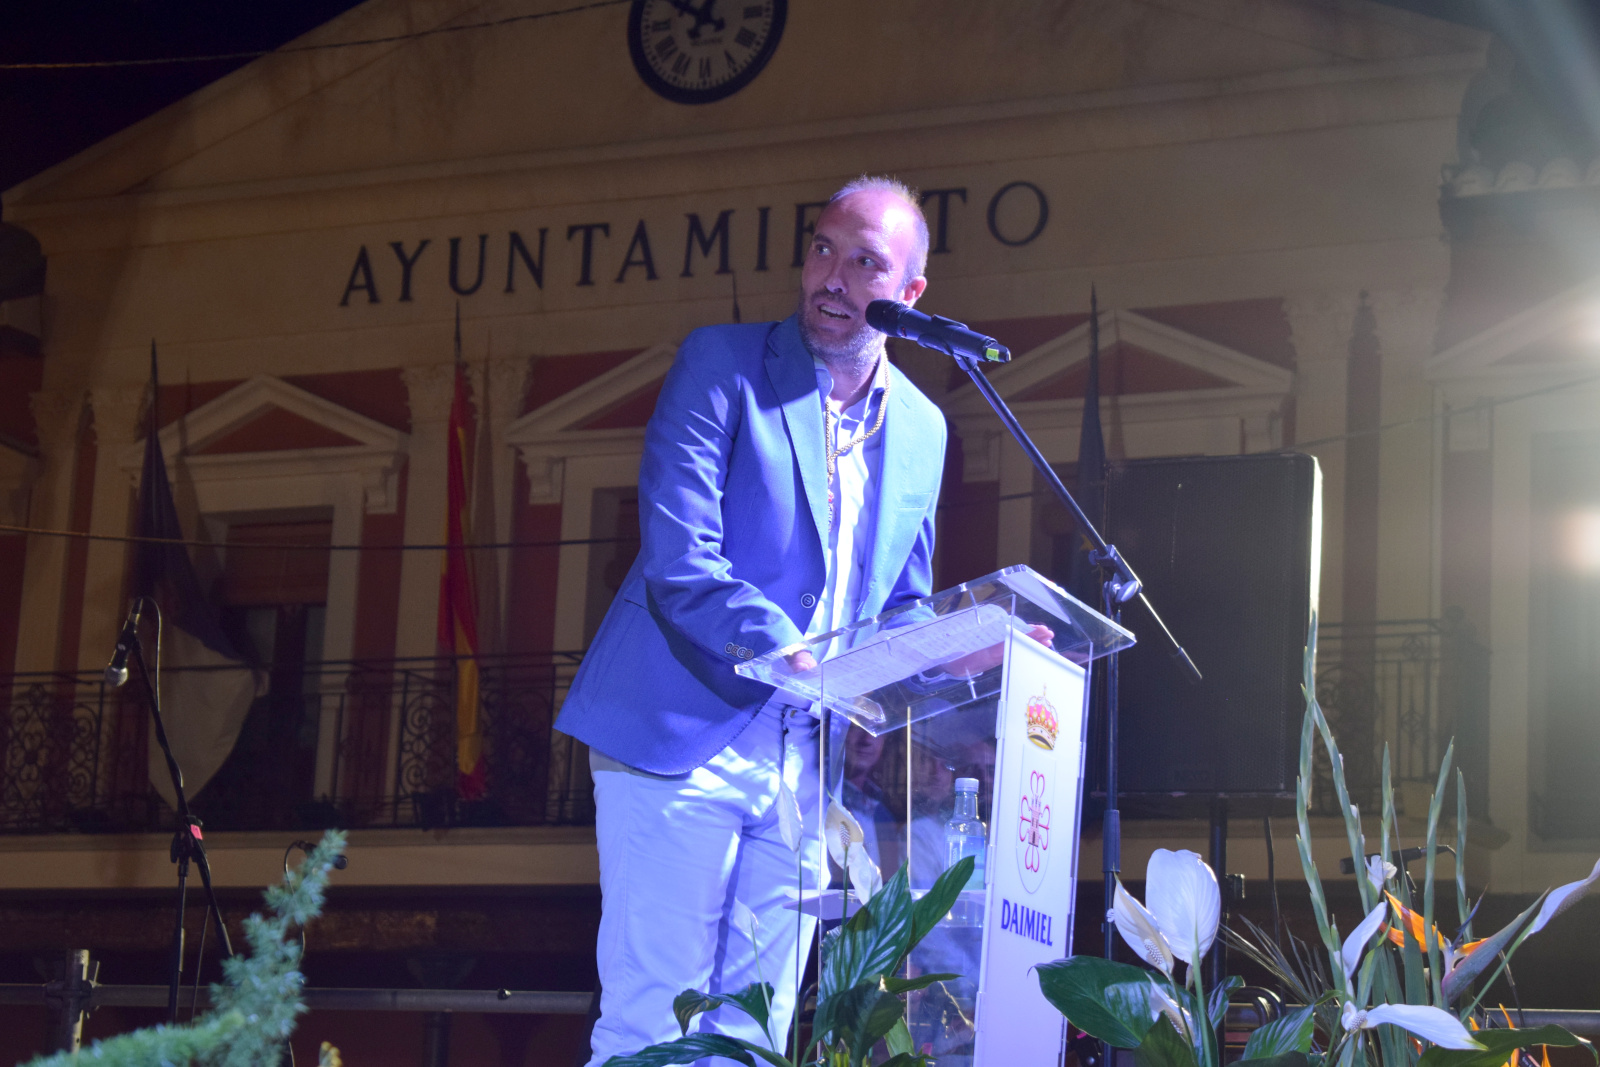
{"x":1121,"y":585}
{"x":187,"y":842}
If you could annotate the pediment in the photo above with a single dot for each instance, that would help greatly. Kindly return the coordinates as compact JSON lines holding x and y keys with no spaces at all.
{"x":603,"y":416}
{"x":266,"y":414}
{"x":439,"y":88}
{"x":1142,"y":360}
{"x":267,"y":428}
{"x":1559,"y":335}
{"x":617,"y":401}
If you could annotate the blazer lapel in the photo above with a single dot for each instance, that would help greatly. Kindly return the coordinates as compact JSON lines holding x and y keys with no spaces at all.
{"x":904,"y":449}
{"x":794,"y":377}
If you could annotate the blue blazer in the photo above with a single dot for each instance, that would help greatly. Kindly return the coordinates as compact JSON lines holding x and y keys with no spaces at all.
{"x":732,"y":505}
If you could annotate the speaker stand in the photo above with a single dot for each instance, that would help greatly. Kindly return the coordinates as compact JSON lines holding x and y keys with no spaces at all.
{"x":1217,"y":964}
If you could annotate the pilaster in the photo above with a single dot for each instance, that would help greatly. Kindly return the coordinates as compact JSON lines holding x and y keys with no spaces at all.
{"x":1407,"y":322}
{"x":116,"y":425}
{"x":429,"y":390}
{"x":56,"y":414}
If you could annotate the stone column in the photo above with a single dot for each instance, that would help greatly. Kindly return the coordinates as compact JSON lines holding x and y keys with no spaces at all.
{"x":429,"y":389}
{"x":1407,"y":322}
{"x":1320,"y":324}
{"x":116,"y":426}
{"x":56,"y":413}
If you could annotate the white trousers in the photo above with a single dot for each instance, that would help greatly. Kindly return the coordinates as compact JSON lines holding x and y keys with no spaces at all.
{"x":675,"y":853}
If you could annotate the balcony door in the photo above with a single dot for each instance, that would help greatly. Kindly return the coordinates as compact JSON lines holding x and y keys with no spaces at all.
{"x":274,"y":594}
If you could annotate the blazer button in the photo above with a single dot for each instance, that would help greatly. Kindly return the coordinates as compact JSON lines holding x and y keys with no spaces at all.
{"x":745,"y":653}
{"x":808,"y":601}
{"x":731,"y":649}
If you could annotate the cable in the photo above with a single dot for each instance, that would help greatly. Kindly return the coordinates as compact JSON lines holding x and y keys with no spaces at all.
{"x":1482,"y":405}
{"x":283,"y":546}
{"x":220,"y":57}
{"x":1272,"y":883}
{"x":199,"y":960}
{"x":286,"y":546}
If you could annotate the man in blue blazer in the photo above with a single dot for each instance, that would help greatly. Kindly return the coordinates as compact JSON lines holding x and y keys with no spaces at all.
{"x":787,"y":487}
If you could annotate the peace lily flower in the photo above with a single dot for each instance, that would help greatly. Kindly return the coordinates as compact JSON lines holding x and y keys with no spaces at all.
{"x":1184,"y":910}
{"x":1161,"y":1003}
{"x":1432,"y":1024}
{"x":846,"y":844}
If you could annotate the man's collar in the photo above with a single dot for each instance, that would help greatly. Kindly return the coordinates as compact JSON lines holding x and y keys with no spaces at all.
{"x":880,"y":377}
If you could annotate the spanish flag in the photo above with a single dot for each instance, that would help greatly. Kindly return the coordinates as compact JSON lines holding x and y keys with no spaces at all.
{"x":458,"y":614}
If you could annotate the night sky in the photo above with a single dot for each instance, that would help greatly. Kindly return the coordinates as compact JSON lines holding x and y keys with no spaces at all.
{"x":47,"y":116}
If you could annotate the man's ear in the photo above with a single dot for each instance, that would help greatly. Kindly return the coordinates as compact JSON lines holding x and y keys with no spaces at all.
{"x":913,"y":289}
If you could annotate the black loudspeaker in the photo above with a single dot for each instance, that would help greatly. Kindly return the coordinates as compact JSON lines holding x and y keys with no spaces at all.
{"x":1227,"y":548}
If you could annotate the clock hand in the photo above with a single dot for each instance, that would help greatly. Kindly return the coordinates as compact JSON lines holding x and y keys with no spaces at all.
{"x":704,"y":16}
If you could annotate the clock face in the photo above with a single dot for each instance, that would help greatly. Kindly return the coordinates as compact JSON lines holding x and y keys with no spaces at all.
{"x":697,"y":51}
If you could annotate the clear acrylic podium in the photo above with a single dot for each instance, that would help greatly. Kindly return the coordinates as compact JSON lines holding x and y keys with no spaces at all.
{"x":953,"y":686}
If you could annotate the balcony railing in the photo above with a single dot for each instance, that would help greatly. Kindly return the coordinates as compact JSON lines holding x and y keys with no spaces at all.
{"x":1413,"y":685}
{"x":74,"y":754}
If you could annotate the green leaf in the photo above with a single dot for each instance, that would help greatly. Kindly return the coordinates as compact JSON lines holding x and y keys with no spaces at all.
{"x":1164,"y":1047}
{"x":899,"y":1039}
{"x":872,"y":945}
{"x":687,"y":1050}
{"x":1217,"y":1002}
{"x":1498,"y":1045}
{"x":1105,"y":999}
{"x":883,"y":1014}
{"x":1290,"y":1032}
{"x":905,"y":1059}
{"x":936,"y":904}
{"x":752,"y":1000}
{"x":1416,"y":969}
{"x":859,"y":1016}
{"x":921,"y":981}
{"x":1282,"y":1059}
{"x":1430,"y":933}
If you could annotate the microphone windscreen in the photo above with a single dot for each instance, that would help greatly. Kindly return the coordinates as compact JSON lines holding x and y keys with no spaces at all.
{"x":884,"y":316}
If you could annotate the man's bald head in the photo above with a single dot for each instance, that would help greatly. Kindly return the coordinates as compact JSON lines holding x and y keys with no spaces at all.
{"x":899,"y":190}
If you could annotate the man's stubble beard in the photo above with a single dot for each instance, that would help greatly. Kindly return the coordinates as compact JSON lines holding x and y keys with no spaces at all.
{"x":856,"y":355}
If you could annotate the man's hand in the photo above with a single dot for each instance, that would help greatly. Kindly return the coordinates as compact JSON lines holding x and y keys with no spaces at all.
{"x":802,"y":661}
{"x":975,"y":663}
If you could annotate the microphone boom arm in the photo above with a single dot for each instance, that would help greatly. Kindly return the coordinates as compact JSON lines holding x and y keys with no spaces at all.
{"x":1126,"y":585}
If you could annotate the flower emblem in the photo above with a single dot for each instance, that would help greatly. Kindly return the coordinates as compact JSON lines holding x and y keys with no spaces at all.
{"x":1034,"y":829}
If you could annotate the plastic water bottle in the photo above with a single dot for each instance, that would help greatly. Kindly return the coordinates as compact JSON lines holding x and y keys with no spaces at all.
{"x":964,"y":834}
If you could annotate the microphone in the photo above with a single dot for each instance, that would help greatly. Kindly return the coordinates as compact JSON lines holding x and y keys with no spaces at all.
{"x":1399,"y":857}
{"x":932,"y":331}
{"x":117,"y":669}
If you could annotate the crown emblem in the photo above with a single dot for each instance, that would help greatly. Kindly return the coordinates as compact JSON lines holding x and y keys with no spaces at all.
{"x":1042,"y":722}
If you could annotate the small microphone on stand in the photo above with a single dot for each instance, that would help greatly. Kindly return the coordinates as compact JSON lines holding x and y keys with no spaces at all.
{"x":117,"y":669}
{"x":933,"y":331}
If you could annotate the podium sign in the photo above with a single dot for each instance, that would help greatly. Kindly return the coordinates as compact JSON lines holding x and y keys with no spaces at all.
{"x":955,"y":720}
{"x":1033,"y":864}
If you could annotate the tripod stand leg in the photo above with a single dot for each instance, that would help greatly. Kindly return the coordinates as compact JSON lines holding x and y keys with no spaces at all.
{"x":175,"y":963}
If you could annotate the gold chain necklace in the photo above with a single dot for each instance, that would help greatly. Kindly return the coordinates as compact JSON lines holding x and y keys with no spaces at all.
{"x":830,"y":429}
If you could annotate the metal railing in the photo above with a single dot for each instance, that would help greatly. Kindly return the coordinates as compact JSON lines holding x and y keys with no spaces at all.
{"x":1413,"y":685}
{"x":74,"y":754}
